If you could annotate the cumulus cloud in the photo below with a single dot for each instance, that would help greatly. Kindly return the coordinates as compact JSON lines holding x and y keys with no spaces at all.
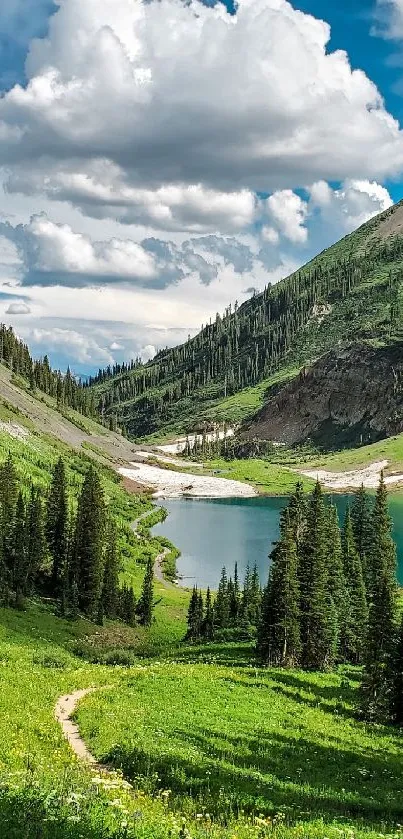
{"x":288,"y":211}
{"x":389,"y":14}
{"x":104,"y":191}
{"x":352,"y":205}
{"x":18,"y":309}
{"x":148,"y":352}
{"x":189,"y":98}
{"x":73,"y":344}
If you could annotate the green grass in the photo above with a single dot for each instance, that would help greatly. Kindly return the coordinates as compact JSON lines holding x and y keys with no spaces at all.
{"x":236,"y":741}
{"x":268,"y":478}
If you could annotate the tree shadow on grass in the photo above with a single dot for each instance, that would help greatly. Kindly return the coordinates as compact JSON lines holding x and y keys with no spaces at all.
{"x":268,"y":773}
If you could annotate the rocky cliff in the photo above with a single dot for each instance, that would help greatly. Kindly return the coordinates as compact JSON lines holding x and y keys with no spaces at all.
{"x":350,"y":396}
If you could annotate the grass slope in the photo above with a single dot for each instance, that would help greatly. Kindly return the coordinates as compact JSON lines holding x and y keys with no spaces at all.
{"x":235,"y":741}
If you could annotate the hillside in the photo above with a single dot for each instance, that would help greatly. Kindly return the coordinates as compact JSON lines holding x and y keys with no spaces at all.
{"x":350,"y":292}
{"x":348,"y":397}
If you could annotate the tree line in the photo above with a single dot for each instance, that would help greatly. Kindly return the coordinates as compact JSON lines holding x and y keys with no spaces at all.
{"x":246,"y":344}
{"x":65,"y":388}
{"x":330,"y":598}
{"x":234,"y":612}
{"x":64,"y":551}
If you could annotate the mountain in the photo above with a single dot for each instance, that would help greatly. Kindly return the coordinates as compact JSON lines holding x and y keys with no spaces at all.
{"x":350,"y":396}
{"x":349,"y":293}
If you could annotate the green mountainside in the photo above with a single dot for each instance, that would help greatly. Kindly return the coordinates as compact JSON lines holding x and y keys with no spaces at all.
{"x":350,"y":292}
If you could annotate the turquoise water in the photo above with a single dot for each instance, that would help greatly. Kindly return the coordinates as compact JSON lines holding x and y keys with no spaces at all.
{"x":211,"y":533}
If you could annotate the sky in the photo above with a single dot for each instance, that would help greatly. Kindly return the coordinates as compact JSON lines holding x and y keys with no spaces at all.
{"x":160,"y":159}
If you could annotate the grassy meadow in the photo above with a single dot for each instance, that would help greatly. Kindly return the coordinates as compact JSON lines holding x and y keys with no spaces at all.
{"x":226,"y":743}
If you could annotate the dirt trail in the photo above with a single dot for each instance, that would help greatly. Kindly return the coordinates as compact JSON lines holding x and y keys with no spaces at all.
{"x":158,"y":572}
{"x":64,"y":710}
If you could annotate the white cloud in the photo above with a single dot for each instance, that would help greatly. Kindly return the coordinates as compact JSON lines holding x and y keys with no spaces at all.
{"x":288,"y":211}
{"x":103,"y":191}
{"x":178,"y":95}
{"x":57,"y":248}
{"x":270,"y":235}
{"x":18,"y":308}
{"x":389,"y":15}
{"x":352,"y":205}
{"x":148,"y":352}
{"x":115,"y":346}
{"x":74,"y":344}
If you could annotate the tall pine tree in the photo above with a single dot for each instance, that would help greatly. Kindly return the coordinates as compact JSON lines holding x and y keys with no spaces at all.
{"x":87,"y":564}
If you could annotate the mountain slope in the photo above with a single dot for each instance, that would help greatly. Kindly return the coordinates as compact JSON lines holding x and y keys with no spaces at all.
{"x":350,"y":396}
{"x":352,"y":291}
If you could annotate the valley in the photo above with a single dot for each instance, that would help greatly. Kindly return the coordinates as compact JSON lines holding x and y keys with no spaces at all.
{"x":189,"y":715}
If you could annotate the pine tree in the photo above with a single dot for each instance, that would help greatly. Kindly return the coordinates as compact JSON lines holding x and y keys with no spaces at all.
{"x":8,"y":501}
{"x":382,"y":613}
{"x":110,"y":588}
{"x":361,"y":520}
{"x":36,"y":541}
{"x":318,"y":628}
{"x":57,"y":525}
{"x":88,"y":545}
{"x":19,"y":567}
{"x":356,"y":629}
{"x":279,"y":641}
{"x":146,"y":602}
{"x":297,"y":512}
{"x":234,"y":599}
{"x":208,"y":620}
{"x":255,"y":597}
{"x":221,"y":605}
{"x":337,"y":589}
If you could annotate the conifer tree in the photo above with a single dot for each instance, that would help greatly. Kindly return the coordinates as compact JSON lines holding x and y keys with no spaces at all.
{"x":88,"y":544}
{"x":317,"y":610}
{"x":195,"y":616}
{"x":361,"y":520}
{"x":57,"y":524}
{"x":255,"y":597}
{"x":146,"y":602}
{"x":279,"y":641}
{"x":36,"y":542}
{"x":357,"y":617}
{"x":110,"y":588}
{"x":382,"y":613}
{"x":297,"y":512}
{"x":208,"y":620}
{"x":337,"y":589}
{"x":221,"y":605}
{"x":8,"y":501}
{"x":19,"y":568}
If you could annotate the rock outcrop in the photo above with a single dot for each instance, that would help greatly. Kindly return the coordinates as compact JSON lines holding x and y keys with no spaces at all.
{"x":349,"y":396}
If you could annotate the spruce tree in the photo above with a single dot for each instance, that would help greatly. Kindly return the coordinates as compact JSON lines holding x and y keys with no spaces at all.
{"x":208,"y":620}
{"x":361,"y":520}
{"x":318,"y":629}
{"x":57,"y":524}
{"x":88,"y":545}
{"x":356,"y":630}
{"x":382,"y":613}
{"x":337,"y":589}
{"x":36,"y":541}
{"x":297,"y":512}
{"x":221,"y":605}
{"x":8,"y":501}
{"x":19,"y":567}
{"x":146,"y":602}
{"x":110,"y":588}
{"x":279,"y":641}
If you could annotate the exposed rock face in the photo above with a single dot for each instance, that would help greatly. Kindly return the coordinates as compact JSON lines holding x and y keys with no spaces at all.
{"x":350,"y":396}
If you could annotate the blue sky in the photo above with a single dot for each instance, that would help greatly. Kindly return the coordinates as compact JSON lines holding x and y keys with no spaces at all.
{"x":146,"y":183}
